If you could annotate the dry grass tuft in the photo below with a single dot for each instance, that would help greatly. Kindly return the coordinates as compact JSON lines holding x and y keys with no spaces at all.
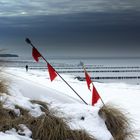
{"x":3,"y":84}
{"x":6,"y":117}
{"x":51,"y":127}
{"x":81,"y":135}
{"x":43,"y":105}
{"x":47,"y":126}
{"x":117,"y":122}
{"x":23,"y":112}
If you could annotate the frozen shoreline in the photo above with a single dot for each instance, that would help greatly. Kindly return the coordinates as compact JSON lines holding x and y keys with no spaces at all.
{"x":103,"y":70}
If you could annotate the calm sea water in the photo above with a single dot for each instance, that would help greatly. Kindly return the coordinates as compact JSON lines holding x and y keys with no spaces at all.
{"x":20,"y":61}
{"x":126,"y":70}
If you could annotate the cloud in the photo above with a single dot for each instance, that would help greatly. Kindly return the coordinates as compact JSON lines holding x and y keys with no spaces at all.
{"x":71,"y":24}
{"x":54,"y":7}
{"x":82,"y":29}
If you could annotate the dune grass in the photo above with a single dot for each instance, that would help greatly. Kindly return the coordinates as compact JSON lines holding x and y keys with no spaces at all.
{"x":45,"y":127}
{"x":117,"y":122}
{"x":3,"y":85}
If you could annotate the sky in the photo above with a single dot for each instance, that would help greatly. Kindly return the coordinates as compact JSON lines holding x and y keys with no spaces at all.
{"x":85,"y":28}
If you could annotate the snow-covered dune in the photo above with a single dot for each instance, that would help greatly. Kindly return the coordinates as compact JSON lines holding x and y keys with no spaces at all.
{"x":36,"y":84}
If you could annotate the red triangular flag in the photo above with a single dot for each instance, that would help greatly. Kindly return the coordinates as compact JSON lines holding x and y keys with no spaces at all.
{"x":88,"y":80}
{"x":95,"y":96}
{"x":35,"y":54}
{"x":52,"y":72}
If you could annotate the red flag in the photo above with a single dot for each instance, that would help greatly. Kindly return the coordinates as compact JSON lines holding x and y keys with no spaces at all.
{"x":88,"y":80}
{"x":95,"y":96}
{"x":35,"y":54}
{"x":52,"y":72}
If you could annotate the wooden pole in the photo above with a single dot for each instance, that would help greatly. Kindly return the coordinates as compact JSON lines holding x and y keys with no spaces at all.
{"x":29,"y":42}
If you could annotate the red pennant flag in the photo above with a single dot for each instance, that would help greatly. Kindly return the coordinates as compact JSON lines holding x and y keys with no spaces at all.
{"x":88,"y":80}
{"x":35,"y":54}
{"x":95,"y":96}
{"x":52,"y":72}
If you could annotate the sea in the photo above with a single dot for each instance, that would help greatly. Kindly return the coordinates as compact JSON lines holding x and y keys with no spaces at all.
{"x":100,"y":69}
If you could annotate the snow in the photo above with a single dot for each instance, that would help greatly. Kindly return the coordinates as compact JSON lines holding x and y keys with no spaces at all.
{"x":25,"y":131}
{"x":36,"y":85}
{"x":92,"y":123}
{"x":4,"y":136}
{"x":12,"y":135}
{"x":10,"y":101}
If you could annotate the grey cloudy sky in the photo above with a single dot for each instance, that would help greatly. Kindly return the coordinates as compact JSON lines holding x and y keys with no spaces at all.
{"x":71,"y":27}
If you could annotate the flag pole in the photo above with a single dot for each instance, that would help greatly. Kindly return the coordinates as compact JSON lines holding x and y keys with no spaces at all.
{"x":29,"y":42}
{"x":93,"y":86}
